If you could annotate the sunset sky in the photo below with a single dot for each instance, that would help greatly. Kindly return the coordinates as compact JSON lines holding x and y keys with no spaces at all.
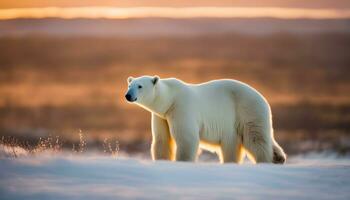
{"x":340,"y":4}
{"x":174,"y":9}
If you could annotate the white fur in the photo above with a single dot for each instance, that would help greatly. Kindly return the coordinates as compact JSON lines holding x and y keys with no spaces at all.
{"x":225,"y":116}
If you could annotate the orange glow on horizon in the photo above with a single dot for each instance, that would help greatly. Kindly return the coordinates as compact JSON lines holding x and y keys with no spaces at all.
{"x":172,"y":12}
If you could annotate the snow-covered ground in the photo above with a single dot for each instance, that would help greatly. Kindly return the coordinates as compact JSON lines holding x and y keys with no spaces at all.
{"x":98,"y":177}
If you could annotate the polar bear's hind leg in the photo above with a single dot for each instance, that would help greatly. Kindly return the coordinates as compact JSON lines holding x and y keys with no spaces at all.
{"x":257,"y":142}
{"x":231,"y":149}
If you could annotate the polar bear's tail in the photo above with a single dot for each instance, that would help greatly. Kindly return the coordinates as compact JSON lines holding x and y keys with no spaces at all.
{"x":279,"y":157}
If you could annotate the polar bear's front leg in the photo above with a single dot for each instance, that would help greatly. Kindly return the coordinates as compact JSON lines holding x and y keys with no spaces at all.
{"x":186,"y":135}
{"x":161,"y":148}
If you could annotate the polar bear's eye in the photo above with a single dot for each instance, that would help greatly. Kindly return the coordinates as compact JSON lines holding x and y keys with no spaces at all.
{"x":140,"y":86}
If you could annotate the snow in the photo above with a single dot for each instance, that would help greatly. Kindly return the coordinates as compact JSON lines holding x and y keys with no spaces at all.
{"x":101,"y":177}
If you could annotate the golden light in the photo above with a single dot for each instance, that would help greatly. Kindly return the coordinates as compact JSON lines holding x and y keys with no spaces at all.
{"x":172,"y":12}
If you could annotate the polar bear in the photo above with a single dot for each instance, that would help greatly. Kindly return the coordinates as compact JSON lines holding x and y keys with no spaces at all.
{"x":225,"y":116}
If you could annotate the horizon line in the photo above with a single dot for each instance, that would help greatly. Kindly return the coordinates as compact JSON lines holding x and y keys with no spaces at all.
{"x":173,"y":12}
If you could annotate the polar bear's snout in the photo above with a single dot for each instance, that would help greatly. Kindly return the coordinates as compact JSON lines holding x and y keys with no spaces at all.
{"x":129,"y":97}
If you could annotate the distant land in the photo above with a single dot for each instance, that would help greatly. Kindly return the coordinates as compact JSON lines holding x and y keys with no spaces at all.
{"x":169,"y":27}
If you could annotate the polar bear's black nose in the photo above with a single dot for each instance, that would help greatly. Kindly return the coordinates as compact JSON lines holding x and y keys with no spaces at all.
{"x":128,"y":97}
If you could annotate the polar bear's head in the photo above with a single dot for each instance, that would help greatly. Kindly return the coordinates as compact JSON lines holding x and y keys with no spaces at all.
{"x":142,"y":90}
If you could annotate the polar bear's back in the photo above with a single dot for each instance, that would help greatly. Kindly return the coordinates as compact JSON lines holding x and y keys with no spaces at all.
{"x":223,"y":100}
{"x":226,"y":87}
{"x":230,"y":96}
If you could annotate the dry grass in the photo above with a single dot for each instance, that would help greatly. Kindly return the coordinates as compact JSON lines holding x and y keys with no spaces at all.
{"x":12,"y":147}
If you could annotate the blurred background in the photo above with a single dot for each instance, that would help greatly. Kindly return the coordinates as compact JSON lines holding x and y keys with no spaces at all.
{"x":64,"y":65}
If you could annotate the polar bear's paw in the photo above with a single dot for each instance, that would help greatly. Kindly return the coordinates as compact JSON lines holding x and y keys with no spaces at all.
{"x":279,"y":157}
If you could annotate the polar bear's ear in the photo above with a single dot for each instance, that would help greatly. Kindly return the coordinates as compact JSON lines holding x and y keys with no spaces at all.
{"x":155,"y":80}
{"x":130,"y":78}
